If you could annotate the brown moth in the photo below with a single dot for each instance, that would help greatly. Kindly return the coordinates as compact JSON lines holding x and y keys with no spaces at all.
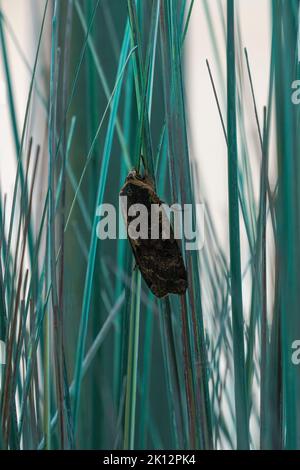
{"x":159,"y":260}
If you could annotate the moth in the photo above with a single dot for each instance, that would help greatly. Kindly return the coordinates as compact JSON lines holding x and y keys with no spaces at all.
{"x":159,"y":260}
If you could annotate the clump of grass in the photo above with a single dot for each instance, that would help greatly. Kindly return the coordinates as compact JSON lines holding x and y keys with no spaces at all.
{"x":93,"y":359}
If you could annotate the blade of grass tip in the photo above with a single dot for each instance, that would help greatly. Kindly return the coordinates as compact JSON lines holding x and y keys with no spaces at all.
{"x":12,"y":107}
{"x":216,"y":48}
{"x":139,"y":140}
{"x":241,"y":198}
{"x":217,"y":101}
{"x":132,"y":365}
{"x":245,"y":174}
{"x":253,"y":317}
{"x":187,"y":22}
{"x":160,"y":152}
{"x":93,"y":243}
{"x":30,"y":239}
{"x":21,"y":53}
{"x":242,"y":429}
{"x":19,"y":161}
{"x":267,"y":124}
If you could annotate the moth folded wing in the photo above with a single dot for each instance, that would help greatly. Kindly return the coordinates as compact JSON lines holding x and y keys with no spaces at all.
{"x":161,"y":266}
{"x":172,"y":266}
{"x":159,"y":259}
{"x":170,"y":255}
{"x":146,"y":258}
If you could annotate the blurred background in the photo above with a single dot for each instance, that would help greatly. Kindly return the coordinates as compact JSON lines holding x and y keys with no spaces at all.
{"x":202,"y":89}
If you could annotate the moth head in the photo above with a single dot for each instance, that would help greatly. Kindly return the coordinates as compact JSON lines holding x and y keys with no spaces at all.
{"x":130,"y":181}
{"x":135,"y":182}
{"x":134,"y":175}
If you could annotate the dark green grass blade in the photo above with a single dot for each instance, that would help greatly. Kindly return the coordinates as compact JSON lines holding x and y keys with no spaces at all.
{"x":234,"y":235}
